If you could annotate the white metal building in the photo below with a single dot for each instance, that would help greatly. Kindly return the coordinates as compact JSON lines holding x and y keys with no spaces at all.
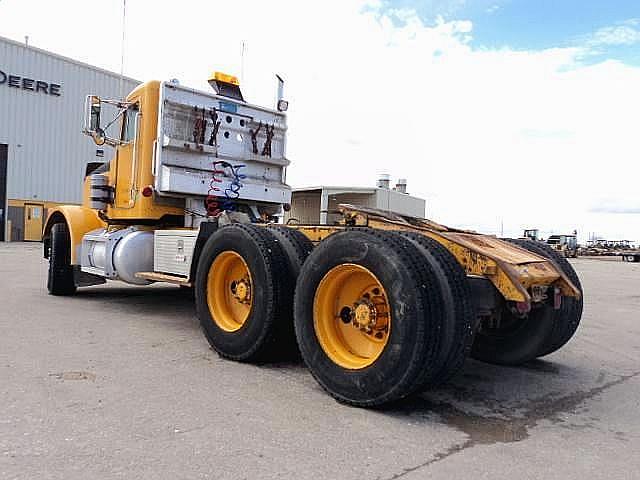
{"x":319,"y":205}
{"x":43,"y":153}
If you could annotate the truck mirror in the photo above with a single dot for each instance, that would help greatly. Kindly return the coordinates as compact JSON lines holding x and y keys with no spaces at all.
{"x":94,"y":122}
{"x":93,"y":118}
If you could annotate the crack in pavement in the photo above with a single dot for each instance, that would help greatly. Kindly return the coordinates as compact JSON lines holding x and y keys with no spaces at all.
{"x":488,"y":430}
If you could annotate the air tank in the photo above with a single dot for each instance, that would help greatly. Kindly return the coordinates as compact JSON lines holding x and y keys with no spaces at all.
{"x":133,"y":254}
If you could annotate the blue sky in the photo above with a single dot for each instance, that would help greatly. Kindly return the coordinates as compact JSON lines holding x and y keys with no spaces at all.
{"x":611,"y":28}
{"x":487,"y":90}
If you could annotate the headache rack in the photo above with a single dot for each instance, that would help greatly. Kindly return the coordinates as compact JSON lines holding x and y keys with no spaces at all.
{"x":200,"y":135}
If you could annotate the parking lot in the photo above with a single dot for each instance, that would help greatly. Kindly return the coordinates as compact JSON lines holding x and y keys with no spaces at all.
{"x":118,"y":381}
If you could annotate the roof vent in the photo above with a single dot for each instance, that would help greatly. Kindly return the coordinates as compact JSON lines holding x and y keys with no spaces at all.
{"x":383,"y":181}
{"x":401,"y":185}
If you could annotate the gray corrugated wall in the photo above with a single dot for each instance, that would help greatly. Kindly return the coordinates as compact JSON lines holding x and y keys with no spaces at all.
{"x":47,"y":151}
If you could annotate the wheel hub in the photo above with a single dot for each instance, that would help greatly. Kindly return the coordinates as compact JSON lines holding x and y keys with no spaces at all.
{"x":367,"y":316}
{"x":241,"y":290}
{"x":364,"y":316}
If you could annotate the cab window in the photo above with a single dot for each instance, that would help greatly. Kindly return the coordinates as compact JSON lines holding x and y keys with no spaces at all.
{"x":128,"y":134}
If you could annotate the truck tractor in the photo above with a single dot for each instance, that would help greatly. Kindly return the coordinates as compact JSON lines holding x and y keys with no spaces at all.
{"x":566,"y":245}
{"x":532,"y":234}
{"x":379,"y":306}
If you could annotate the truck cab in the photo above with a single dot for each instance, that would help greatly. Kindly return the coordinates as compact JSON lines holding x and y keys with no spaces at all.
{"x":532,"y":234}
{"x":182,"y":156}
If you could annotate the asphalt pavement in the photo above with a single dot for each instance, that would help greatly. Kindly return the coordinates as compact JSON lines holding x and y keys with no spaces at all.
{"x":119,"y":382}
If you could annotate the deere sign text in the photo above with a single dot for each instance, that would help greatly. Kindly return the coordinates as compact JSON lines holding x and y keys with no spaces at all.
{"x":24,"y":83}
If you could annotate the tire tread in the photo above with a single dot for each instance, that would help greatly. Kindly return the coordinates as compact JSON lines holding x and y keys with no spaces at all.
{"x":463,"y":314}
{"x":567,"y":319}
{"x":60,"y":279}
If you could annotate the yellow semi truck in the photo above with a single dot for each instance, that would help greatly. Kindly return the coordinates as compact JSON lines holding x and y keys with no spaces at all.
{"x":379,"y":307}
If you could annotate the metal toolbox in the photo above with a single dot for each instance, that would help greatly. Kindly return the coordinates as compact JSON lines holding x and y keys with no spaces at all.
{"x":173,"y":250}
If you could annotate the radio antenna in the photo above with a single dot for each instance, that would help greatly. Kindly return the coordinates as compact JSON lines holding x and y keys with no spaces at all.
{"x":124,"y":17}
{"x":242,"y":79}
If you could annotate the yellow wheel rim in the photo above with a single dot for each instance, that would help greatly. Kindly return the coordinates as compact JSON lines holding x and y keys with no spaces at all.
{"x":351,"y":316}
{"x":229,"y":291}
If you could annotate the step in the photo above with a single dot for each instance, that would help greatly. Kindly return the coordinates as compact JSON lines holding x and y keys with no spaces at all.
{"x":165,"y":277}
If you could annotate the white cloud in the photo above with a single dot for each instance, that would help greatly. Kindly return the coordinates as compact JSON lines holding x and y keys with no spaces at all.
{"x":532,"y":138}
{"x":626,"y":33}
{"x":616,"y":205}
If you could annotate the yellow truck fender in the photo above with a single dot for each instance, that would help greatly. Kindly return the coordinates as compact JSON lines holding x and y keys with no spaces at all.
{"x":80,"y":220}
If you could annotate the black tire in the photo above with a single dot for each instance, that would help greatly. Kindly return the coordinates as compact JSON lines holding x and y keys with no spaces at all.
{"x":459,"y":327}
{"x":60,"y":279}
{"x":567,"y":318}
{"x":417,"y":313}
{"x":296,"y":246}
{"x":518,"y":340}
{"x":267,"y":333}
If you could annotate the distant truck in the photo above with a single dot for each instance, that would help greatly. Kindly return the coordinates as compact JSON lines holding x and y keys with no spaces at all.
{"x":567,"y":245}
{"x":532,"y":234}
{"x":631,"y":256}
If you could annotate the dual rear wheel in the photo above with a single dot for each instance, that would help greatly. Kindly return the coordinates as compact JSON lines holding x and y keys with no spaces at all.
{"x":377,"y":315}
{"x":544,"y":330}
{"x":244,"y":291}
{"x":380,"y":315}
